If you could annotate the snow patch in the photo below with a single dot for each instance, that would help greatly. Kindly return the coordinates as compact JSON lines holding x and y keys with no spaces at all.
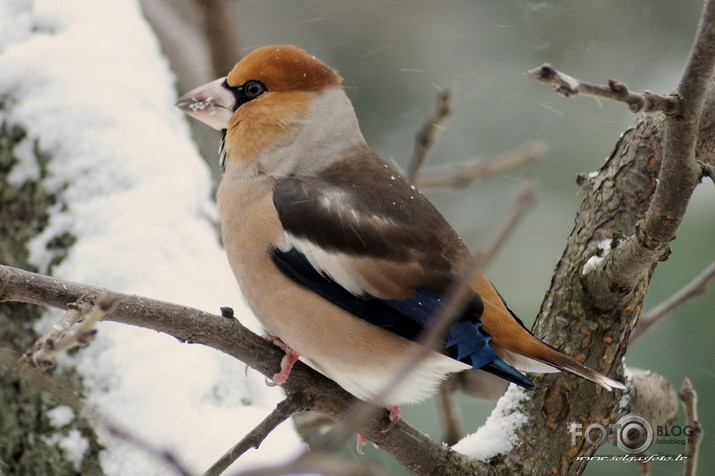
{"x":87,"y":81}
{"x":498,"y":435}
{"x":603,"y":247}
{"x":61,"y":416}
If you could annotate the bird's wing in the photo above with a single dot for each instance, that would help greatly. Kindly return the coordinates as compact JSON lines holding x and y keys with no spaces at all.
{"x":380,"y":250}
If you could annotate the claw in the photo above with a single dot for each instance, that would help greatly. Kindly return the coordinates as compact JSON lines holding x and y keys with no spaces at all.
{"x":395,"y":413}
{"x":361,"y":441}
{"x":287,"y":362}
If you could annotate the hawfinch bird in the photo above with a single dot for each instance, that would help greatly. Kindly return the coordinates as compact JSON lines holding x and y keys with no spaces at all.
{"x":341,"y":258}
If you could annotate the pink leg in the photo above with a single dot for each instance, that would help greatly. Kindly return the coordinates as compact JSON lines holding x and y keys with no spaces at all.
{"x":287,"y":362}
{"x":361,"y":441}
{"x":395,"y":413}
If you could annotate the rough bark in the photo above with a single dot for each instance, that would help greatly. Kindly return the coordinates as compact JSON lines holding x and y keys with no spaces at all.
{"x":570,"y":318}
{"x":28,"y":442}
{"x":575,"y":318}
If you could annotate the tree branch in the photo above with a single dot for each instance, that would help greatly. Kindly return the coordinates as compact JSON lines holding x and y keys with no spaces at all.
{"x":695,"y":288}
{"x":186,"y":50}
{"x":221,"y":35}
{"x":76,"y":329}
{"x":678,"y":175}
{"x":631,"y":208}
{"x":689,"y":398}
{"x":410,"y":447}
{"x":463,"y":173}
{"x":569,"y":86}
{"x":429,"y":131}
{"x":525,"y":198}
{"x":652,"y":397}
{"x":413,"y":449}
{"x":293,"y":403}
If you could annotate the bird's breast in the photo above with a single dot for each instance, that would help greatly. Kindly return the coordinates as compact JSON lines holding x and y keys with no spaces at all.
{"x":357,"y":355}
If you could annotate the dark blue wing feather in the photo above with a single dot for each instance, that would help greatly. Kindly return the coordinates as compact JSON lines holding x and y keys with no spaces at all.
{"x":467,"y":341}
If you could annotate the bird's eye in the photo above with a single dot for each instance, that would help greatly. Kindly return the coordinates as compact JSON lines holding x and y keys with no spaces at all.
{"x":253,"y":89}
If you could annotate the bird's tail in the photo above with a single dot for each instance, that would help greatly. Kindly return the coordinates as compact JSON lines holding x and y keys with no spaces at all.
{"x":537,"y":356}
{"x":513,"y":343}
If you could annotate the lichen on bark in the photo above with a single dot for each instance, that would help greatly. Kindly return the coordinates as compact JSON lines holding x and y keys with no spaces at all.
{"x":592,"y":327}
{"x":29,"y":443}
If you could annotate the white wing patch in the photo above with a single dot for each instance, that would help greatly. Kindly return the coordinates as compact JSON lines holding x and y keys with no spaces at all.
{"x":337,"y":266}
{"x":339,"y":203}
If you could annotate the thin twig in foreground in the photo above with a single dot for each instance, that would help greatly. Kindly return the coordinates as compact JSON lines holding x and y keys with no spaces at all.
{"x":524,"y":200}
{"x":695,"y":288}
{"x":689,"y":398}
{"x":449,"y":413}
{"x":463,"y":173}
{"x":221,"y":35}
{"x":293,"y":403}
{"x":77,"y":328}
{"x":569,"y":86}
{"x":454,"y":301}
{"x":36,"y":380}
{"x":429,"y":131}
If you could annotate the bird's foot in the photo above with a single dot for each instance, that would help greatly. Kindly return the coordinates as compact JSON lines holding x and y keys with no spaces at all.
{"x":287,"y":362}
{"x":361,"y":441}
{"x":395,"y":413}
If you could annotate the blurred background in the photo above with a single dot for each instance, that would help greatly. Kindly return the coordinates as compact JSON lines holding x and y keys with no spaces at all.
{"x":395,"y":55}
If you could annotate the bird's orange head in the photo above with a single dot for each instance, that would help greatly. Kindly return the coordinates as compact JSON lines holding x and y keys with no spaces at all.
{"x":276,"y":104}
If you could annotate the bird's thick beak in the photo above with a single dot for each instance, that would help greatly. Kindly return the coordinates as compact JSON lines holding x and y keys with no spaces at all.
{"x":212,"y":104}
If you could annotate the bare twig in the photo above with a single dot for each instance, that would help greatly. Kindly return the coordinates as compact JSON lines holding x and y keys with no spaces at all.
{"x":463,"y":173}
{"x":525,"y":198}
{"x":696,"y":287}
{"x":221,"y":34}
{"x":293,"y":403}
{"x":449,"y":413}
{"x":568,"y":86}
{"x":679,"y":173}
{"x":455,"y":301}
{"x":310,"y":425}
{"x":429,"y":131}
{"x":167,"y":456}
{"x":75,"y":329}
{"x":476,"y":384}
{"x":185,"y":48}
{"x":447,"y":408}
{"x":36,"y":380}
{"x":689,"y":398}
